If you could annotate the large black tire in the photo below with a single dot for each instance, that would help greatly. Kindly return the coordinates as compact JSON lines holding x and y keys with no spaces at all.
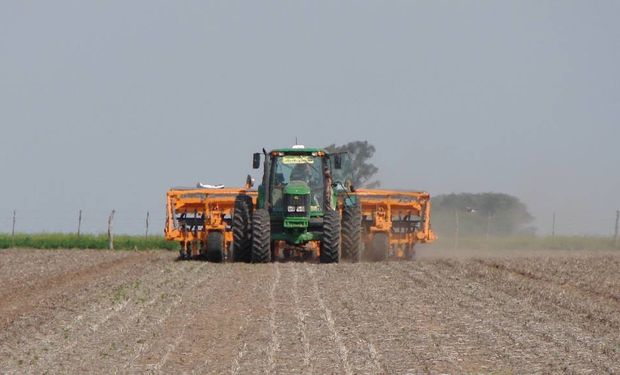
{"x":380,"y":247}
{"x":242,"y":228}
{"x":352,"y":233}
{"x":215,"y":247}
{"x":261,"y":236}
{"x":330,"y":244}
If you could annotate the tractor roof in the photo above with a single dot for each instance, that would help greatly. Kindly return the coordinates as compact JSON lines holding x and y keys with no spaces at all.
{"x":299,"y":150}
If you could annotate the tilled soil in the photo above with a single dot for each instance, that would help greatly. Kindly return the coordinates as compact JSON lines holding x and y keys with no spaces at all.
{"x":468,"y":312}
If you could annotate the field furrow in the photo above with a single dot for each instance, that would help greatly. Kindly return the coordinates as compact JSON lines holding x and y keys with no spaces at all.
{"x":127,"y":312}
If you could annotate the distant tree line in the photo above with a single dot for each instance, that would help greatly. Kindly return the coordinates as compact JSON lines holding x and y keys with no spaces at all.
{"x":480,"y":214}
{"x":477,"y":214}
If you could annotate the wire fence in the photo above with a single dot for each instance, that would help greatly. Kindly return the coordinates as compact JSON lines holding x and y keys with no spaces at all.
{"x":472,"y":228}
{"x":151,"y":222}
{"x":134,"y":222}
{"x":562,"y":223}
{"x":84,"y":221}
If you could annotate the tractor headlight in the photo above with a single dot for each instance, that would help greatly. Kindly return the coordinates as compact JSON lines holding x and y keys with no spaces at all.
{"x":301,"y":208}
{"x":291,"y":208}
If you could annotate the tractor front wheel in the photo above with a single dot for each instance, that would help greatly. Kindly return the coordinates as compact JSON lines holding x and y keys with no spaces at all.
{"x":261,"y":236}
{"x":330,"y":244}
{"x":352,"y":233}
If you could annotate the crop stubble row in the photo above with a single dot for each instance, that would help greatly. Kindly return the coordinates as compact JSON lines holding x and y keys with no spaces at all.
{"x":86,"y":311}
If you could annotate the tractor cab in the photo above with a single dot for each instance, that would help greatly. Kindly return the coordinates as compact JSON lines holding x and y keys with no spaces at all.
{"x":297,"y":184}
{"x":297,"y":193}
{"x":298,"y":181}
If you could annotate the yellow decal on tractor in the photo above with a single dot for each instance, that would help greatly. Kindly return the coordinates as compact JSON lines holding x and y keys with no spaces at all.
{"x":297,"y":159}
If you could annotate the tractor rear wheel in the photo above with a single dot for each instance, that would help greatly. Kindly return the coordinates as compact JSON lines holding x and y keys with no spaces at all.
{"x":215,"y":247}
{"x":352,"y":232}
{"x":330,"y":244}
{"x":242,"y":228}
{"x":261,"y":236}
{"x":380,"y":247}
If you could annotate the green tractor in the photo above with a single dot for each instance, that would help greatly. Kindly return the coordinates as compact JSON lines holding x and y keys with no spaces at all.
{"x":298,"y":210}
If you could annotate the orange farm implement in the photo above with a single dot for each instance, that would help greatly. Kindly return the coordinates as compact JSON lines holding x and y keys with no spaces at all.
{"x":392,"y":222}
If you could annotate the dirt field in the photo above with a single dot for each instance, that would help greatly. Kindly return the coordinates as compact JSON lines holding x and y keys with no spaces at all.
{"x":127,"y":312}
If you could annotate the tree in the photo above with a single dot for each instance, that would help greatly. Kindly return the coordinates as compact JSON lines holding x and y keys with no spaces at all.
{"x":359,"y":167}
{"x":480,"y":214}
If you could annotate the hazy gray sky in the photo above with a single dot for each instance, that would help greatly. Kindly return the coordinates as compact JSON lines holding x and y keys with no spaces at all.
{"x":107,"y":104}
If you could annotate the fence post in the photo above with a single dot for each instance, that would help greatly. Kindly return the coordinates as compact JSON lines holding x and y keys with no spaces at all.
{"x":146,"y":233}
{"x":110,"y":235}
{"x":13,"y":231}
{"x":553,"y":225}
{"x":79,"y":223}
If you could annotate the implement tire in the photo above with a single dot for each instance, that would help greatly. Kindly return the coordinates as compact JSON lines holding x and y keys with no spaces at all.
{"x":352,"y":233}
{"x":261,"y":236}
{"x":215,"y":247}
{"x":330,"y":244}
{"x":242,"y":228}
{"x":379,"y":247}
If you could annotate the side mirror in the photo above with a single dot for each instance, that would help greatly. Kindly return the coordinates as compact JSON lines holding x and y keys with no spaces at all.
{"x":337,"y":161}
{"x":256,"y":160}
